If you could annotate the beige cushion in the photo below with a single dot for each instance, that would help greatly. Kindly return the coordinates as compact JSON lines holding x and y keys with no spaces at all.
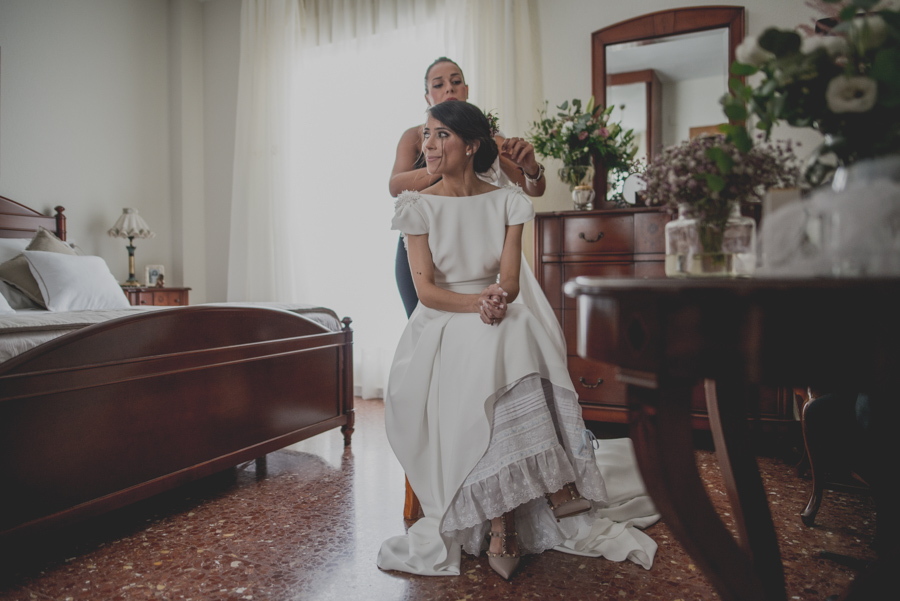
{"x":47,"y":240}
{"x":16,"y":271}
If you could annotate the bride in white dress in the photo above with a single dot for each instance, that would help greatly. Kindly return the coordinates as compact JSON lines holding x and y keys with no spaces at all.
{"x":480,"y":409}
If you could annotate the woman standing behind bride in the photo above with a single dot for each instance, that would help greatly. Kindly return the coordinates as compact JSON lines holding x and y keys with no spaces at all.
{"x":516,"y":163}
{"x":480,"y":409}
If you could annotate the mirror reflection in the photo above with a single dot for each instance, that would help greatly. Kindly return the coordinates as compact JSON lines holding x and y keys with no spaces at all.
{"x":691,"y":71}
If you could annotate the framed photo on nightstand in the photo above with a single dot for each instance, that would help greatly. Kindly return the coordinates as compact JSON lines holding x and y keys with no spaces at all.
{"x":153,"y":274}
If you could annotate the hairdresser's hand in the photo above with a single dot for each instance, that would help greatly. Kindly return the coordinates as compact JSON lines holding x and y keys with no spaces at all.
{"x":520,"y":152}
{"x":492,"y":304}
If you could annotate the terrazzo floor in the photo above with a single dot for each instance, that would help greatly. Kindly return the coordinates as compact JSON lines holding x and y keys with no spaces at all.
{"x":309,"y":525}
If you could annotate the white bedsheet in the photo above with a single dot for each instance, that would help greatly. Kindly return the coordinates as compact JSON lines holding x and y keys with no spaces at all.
{"x":26,"y":329}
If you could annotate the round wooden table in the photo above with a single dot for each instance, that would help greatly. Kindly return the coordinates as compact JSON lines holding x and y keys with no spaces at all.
{"x":666,"y":334}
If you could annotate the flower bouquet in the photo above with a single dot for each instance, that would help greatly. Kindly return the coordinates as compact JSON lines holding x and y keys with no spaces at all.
{"x":841,"y":79}
{"x":707,"y":179}
{"x":575,"y":135}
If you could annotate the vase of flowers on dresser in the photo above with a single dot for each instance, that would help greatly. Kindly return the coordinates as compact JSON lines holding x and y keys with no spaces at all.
{"x":577,"y":136}
{"x":707,"y":180}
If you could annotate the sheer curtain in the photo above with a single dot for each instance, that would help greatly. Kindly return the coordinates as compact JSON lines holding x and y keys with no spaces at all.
{"x":326,"y":89}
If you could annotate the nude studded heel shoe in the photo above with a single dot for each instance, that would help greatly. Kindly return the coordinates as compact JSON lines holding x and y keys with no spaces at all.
{"x":574,"y":505}
{"x":504,"y":562}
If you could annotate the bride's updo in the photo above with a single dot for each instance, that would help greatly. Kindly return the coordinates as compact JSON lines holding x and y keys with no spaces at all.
{"x":469,"y":123}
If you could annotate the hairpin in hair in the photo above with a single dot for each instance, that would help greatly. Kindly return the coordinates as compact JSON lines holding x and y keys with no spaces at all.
{"x":493,"y":120}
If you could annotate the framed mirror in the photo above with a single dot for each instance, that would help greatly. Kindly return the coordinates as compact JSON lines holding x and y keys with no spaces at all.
{"x":668,"y":69}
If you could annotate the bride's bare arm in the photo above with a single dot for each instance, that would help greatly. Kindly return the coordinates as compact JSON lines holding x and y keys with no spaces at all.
{"x":511,"y":261}
{"x":422,"y":265}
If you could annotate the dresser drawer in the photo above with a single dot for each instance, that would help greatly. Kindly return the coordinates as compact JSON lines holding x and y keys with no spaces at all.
{"x":161,"y":297}
{"x":650,"y":269}
{"x":598,"y":234}
{"x":596,"y":383}
{"x":650,"y":232}
{"x":143,"y":298}
{"x":168,"y":298}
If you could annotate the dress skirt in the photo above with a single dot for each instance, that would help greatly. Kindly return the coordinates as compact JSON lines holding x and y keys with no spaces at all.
{"x":483,"y":419}
{"x":525,"y":460}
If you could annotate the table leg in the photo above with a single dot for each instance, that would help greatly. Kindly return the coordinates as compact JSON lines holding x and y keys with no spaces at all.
{"x":660,"y":423}
{"x":726,"y":404}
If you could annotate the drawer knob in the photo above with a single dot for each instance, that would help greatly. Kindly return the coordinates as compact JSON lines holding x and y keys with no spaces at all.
{"x":586,"y":385}
{"x":586,"y":239}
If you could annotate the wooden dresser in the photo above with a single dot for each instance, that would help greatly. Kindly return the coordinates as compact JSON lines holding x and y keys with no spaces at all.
{"x":166,"y":297}
{"x":614,"y":243}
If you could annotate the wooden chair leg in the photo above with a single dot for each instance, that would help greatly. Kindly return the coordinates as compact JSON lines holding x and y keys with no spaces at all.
{"x":808,"y":515}
{"x":412,"y":509}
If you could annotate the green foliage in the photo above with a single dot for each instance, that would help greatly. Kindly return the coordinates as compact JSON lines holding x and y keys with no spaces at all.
{"x":575,"y":135}
{"x":826,"y":83}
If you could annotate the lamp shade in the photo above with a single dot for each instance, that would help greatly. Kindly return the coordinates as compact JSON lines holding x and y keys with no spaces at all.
{"x":130,"y":225}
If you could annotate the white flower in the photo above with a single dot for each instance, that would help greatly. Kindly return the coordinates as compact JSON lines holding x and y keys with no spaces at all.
{"x":870,"y":31}
{"x":750,"y":53}
{"x":832,"y":44}
{"x":851,"y":94}
{"x":568,"y":126}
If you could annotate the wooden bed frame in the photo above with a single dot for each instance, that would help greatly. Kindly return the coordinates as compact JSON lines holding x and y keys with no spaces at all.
{"x":122,"y":410}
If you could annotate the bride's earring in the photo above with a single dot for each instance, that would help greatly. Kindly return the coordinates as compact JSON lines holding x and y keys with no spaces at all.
{"x":468,"y":153}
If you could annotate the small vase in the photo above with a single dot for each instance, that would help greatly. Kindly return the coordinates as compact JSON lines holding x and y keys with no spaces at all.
{"x":584,"y":197}
{"x":698,"y":249}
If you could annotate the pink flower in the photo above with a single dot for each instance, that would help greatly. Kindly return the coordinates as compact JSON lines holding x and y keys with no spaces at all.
{"x":604,"y":132}
{"x":583,"y":135}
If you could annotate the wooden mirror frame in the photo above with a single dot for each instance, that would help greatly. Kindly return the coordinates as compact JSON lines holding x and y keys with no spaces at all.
{"x":652,"y":103}
{"x":663,"y":23}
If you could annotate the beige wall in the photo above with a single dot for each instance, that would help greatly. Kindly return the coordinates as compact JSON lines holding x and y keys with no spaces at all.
{"x":84,"y":118}
{"x":221,"y":51}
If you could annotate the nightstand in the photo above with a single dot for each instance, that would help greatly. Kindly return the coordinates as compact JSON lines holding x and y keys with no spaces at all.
{"x":163,"y":297}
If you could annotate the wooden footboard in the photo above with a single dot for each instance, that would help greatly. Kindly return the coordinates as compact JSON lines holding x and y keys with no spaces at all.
{"x":125,"y":409}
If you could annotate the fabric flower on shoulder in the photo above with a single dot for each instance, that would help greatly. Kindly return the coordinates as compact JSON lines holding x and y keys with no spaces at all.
{"x":406,"y":198}
{"x":409,"y":216}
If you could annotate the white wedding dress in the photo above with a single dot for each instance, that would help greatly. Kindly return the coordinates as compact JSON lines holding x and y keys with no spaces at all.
{"x":485,"y":419}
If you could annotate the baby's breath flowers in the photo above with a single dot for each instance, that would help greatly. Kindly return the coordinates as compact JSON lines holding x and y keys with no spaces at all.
{"x":710,"y":174}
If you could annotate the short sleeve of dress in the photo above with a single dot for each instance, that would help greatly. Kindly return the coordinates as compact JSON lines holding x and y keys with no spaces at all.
{"x":518,"y":208}
{"x":409,"y":218}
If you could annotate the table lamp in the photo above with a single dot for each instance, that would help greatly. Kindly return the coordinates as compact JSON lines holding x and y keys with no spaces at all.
{"x":130,"y":225}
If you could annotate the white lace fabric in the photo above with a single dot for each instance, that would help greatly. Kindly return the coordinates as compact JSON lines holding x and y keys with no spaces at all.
{"x":528,"y":457}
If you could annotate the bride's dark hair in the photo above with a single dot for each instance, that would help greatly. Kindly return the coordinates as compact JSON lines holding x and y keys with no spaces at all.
{"x":469,"y":123}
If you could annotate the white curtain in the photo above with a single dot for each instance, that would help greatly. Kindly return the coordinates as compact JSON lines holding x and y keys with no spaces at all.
{"x":326,"y":89}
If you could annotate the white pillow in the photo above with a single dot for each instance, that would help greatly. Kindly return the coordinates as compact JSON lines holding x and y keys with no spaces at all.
{"x":4,"y":306}
{"x":75,"y":283}
{"x":11,"y":247}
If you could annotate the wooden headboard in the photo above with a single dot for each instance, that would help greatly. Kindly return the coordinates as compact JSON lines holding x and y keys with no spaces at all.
{"x":18,"y":221}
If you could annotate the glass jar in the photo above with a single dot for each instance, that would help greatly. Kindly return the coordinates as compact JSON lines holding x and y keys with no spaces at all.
{"x":695,"y":248}
{"x":583,"y":197}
